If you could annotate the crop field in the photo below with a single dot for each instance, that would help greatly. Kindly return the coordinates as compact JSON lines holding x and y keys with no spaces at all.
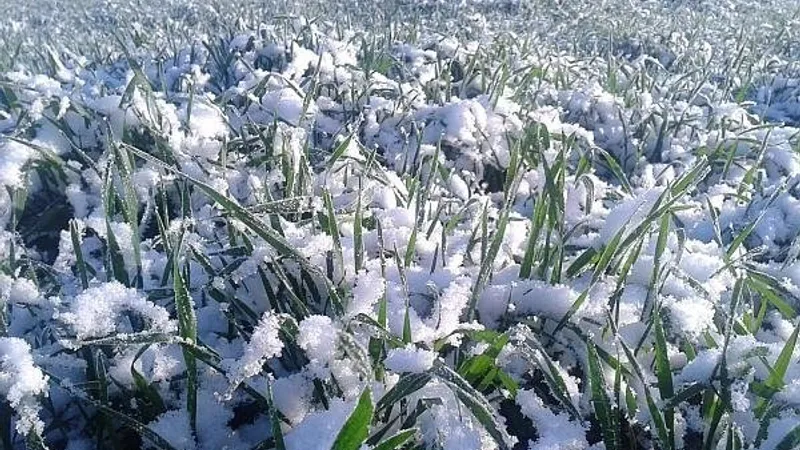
{"x":400,"y":225}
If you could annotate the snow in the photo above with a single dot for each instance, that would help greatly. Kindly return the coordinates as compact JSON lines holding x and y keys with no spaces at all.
{"x":368,"y":289}
{"x":448,"y":425}
{"x":98,"y":312}
{"x":265,"y":343}
{"x":320,"y":428}
{"x":173,"y":426}
{"x":21,"y":291}
{"x":778,"y":429}
{"x":257,"y":112}
{"x":318,"y":338}
{"x":526,"y":297}
{"x":22,"y":383}
{"x":14,"y":156}
{"x":409,"y":359}
{"x":286,"y":105}
{"x":459,"y":187}
{"x":292,"y":395}
{"x":629,"y":214}
{"x":701,"y":367}
{"x":692,"y":316}
{"x":556,"y":431}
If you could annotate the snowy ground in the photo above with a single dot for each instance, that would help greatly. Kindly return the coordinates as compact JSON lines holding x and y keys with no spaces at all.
{"x":414,"y":224}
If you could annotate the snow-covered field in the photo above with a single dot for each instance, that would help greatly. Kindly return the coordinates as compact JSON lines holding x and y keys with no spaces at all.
{"x":410,"y":224}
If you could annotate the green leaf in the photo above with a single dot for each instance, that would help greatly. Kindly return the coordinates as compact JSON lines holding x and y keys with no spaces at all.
{"x":552,"y":377}
{"x":655,"y":412}
{"x":476,"y":403}
{"x":791,"y":441}
{"x":616,"y":169}
{"x":602,"y":264}
{"x":277,"y":433}
{"x":356,"y":429}
{"x":405,"y":386}
{"x":685,"y":394}
{"x":487,"y":264}
{"x":115,"y":258}
{"x":537,"y":221}
{"x":358,"y":234}
{"x":151,"y":404}
{"x":339,"y":151}
{"x":333,"y":228}
{"x":740,"y":238}
{"x":664,"y":375}
{"x":775,"y":379}
{"x":602,"y":406}
{"x":397,"y":440}
{"x":33,"y":441}
{"x":130,"y":210}
{"x":187,"y":328}
{"x":76,"y":248}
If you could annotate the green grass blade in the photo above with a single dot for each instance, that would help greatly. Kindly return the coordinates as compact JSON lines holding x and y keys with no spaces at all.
{"x":396,"y":441}
{"x":406,"y":385}
{"x":664,"y":374}
{"x":791,"y":441}
{"x":275,"y":421}
{"x":130,"y":206}
{"x":476,"y":403}
{"x":356,"y":429}
{"x":487,"y":264}
{"x":187,"y":328}
{"x":333,"y":228}
{"x":600,"y":401}
{"x":76,"y":248}
{"x":358,"y":233}
{"x":775,"y":379}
